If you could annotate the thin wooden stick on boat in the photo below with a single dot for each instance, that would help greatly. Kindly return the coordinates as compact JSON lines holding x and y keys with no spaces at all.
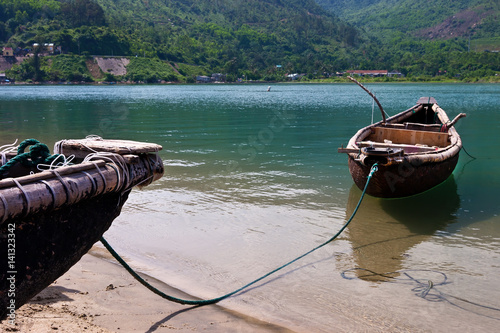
{"x":415,"y":150}
{"x":371,"y":94}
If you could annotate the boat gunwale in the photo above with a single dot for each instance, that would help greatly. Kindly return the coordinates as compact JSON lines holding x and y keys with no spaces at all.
{"x":100,"y":174}
{"x":441,"y":154}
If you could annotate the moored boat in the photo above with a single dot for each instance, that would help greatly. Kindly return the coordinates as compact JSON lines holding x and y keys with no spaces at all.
{"x":415,"y":150}
{"x":51,"y":215}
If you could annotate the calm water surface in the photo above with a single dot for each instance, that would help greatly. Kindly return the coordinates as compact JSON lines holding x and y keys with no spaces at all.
{"x":253,"y":180}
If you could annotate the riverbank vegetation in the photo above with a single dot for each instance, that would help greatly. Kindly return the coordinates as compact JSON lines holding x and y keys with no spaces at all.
{"x":258,"y":40}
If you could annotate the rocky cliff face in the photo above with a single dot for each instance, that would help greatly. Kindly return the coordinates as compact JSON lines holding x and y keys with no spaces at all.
{"x":7,"y":62}
{"x":115,"y":66}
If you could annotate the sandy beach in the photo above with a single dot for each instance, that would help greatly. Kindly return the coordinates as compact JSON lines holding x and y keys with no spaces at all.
{"x":99,"y":296}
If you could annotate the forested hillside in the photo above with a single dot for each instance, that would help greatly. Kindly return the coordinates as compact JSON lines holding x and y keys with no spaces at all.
{"x":232,"y":34}
{"x":224,"y":35}
{"x":438,"y":19}
{"x":255,"y":39}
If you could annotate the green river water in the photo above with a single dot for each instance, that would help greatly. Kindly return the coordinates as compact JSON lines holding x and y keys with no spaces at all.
{"x":253,"y":179}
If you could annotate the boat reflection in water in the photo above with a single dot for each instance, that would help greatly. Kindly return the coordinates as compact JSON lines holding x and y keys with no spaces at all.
{"x":384,"y":230}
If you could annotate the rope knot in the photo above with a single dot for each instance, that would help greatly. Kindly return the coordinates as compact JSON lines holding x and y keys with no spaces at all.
{"x":39,"y":153}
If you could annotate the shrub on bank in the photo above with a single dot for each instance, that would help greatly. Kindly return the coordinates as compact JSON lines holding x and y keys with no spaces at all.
{"x":149,"y":71}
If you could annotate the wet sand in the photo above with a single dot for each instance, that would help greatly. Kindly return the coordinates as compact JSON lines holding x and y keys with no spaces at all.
{"x":98,"y":296}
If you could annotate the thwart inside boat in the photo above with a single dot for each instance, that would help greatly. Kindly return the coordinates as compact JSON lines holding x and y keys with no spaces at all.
{"x":419,"y":142}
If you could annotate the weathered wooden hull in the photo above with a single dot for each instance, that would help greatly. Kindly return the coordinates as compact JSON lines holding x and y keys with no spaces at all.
{"x":401,"y":179}
{"x":49,"y":244}
{"x":414,"y":150}
{"x":50,"y":219}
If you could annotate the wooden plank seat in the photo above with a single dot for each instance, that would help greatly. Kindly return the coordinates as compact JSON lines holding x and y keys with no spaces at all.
{"x":415,"y":126}
{"x":408,"y":137}
{"x":408,"y":149}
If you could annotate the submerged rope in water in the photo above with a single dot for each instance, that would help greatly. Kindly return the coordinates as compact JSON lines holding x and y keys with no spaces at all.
{"x":215,"y":300}
{"x":424,"y":288}
{"x":463,"y":148}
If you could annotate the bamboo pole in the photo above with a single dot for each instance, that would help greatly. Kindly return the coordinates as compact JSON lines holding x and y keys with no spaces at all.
{"x":8,"y":182}
{"x":52,"y":189}
{"x":454,"y":121}
{"x":372,"y":95}
{"x":54,"y":192}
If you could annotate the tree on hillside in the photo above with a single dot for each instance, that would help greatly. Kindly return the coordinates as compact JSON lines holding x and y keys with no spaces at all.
{"x":83,"y":12}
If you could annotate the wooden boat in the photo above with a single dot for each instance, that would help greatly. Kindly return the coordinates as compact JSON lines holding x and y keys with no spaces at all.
{"x":51,"y":218}
{"x":415,"y":150}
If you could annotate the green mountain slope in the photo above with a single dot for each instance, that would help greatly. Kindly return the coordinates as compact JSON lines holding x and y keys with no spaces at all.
{"x":437,"y":19}
{"x":270,"y":32}
{"x":230,"y":36}
{"x":259,"y":39}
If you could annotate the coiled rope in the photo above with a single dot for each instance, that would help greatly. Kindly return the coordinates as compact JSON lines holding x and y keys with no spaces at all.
{"x":424,"y":288}
{"x":38,"y":154}
{"x":215,"y":300}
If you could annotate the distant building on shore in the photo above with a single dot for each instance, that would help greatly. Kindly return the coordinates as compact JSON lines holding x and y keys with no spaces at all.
{"x":7,"y":52}
{"x":216,"y":77}
{"x":47,"y":48}
{"x":203,"y":79}
{"x":375,"y":73}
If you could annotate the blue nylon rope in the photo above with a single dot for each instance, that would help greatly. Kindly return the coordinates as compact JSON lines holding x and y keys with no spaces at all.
{"x":218,"y":299}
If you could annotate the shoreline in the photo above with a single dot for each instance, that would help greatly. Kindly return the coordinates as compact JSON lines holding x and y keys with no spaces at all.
{"x":98,"y":296}
{"x":485,"y":80}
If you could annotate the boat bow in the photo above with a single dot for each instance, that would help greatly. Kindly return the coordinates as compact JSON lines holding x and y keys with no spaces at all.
{"x":415,"y":150}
